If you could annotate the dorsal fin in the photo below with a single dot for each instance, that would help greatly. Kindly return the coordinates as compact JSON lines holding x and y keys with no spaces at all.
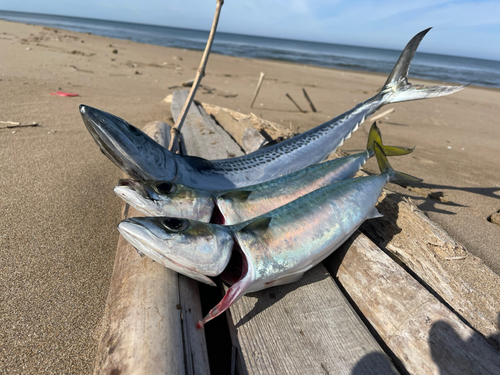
{"x":257,"y":226}
{"x":236,"y":195}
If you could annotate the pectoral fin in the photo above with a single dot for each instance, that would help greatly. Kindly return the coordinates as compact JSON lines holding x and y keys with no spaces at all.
{"x":257,"y":226}
{"x":374,"y":214}
{"x":237,"y":195}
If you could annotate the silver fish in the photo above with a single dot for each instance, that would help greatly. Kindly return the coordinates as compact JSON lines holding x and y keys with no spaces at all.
{"x":144,"y":159}
{"x":157,"y":198}
{"x":274,"y":249}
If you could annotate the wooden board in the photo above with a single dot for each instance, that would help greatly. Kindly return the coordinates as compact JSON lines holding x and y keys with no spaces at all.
{"x":151,"y":312}
{"x":306,"y":327}
{"x":201,"y":136}
{"x":426,"y":336}
{"x":461,"y":279}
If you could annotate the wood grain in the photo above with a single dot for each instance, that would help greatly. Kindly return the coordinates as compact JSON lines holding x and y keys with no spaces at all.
{"x":461,"y":279}
{"x":426,"y":336}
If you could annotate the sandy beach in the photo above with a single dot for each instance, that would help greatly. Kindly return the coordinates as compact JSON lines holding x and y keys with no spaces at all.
{"x":59,"y":213}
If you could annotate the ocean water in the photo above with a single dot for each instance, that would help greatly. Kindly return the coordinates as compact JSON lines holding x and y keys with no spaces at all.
{"x":445,"y":68}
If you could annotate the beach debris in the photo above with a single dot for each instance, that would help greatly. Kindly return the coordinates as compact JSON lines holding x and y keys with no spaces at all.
{"x":143,"y":159}
{"x":252,"y":140}
{"x":227,"y":95}
{"x":60,"y":93}
{"x":115,"y":51}
{"x":261,"y":78}
{"x":456,"y":258}
{"x":495,"y":218}
{"x":14,"y":124}
{"x":296,"y":105}
{"x":80,"y":70}
{"x":313,"y":108}
{"x":383,"y":115}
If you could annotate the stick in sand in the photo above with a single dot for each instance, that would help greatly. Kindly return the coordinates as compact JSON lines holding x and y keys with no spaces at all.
{"x":296,"y":105}
{"x":313,"y":108}
{"x":18,"y":125}
{"x":176,"y":129}
{"x":257,"y":89}
{"x":381,"y":115}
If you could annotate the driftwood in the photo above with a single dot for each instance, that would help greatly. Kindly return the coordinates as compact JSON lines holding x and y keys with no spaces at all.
{"x":380,"y":115}
{"x":426,"y":336}
{"x":462,"y":280}
{"x":313,"y":108}
{"x":296,"y":105}
{"x":242,"y":131}
{"x":257,"y":89}
{"x":202,"y":136}
{"x":151,"y":312}
{"x":306,"y":327}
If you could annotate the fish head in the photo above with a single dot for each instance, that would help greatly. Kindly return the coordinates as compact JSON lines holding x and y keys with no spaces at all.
{"x":165,"y":198}
{"x":132,"y":150}
{"x":195,"y":249}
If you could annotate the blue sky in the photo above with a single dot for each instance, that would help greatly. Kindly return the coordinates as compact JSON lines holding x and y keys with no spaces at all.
{"x":467,"y":28}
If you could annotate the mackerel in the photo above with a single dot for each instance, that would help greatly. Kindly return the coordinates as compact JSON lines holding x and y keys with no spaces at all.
{"x":158,"y":198}
{"x":144,"y":159}
{"x":274,"y":249}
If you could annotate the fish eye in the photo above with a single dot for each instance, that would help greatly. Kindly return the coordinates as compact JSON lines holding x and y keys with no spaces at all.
{"x":165,"y":188}
{"x":174,"y":224}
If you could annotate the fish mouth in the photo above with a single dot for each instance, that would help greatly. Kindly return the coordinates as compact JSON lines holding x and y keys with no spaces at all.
{"x":110,"y":133}
{"x":141,"y":238}
{"x":129,"y":148}
{"x":134,"y":185}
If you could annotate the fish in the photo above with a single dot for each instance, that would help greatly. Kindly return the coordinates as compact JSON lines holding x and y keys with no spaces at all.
{"x":143,"y":159}
{"x":158,"y":198}
{"x":273,"y":249}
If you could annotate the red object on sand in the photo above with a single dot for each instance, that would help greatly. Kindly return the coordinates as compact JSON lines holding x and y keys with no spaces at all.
{"x":60,"y":93}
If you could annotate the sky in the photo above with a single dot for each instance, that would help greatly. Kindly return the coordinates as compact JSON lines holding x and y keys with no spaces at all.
{"x":461,"y":27}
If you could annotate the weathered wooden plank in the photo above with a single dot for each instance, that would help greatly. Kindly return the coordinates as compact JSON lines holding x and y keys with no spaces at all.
{"x":469,"y":287}
{"x":301,"y":328}
{"x":200,"y":134}
{"x":242,"y":131}
{"x":306,"y":327}
{"x":151,"y":312}
{"x":425,"y":335}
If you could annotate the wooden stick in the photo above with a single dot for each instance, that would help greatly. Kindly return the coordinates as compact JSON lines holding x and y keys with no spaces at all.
{"x":381,"y":115}
{"x":200,"y":73}
{"x":19,"y":126}
{"x":261,"y":78}
{"x":293,"y":101}
{"x":313,"y":108}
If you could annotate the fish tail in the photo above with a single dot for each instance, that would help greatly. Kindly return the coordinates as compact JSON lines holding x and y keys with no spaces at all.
{"x":376,"y":137}
{"x":385,"y":167}
{"x":398,"y":89}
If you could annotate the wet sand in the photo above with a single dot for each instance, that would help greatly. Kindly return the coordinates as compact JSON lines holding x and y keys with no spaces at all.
{"x":58,"y":211}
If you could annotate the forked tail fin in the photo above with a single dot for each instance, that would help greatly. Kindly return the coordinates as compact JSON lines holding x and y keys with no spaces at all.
{"x":385,"y":167}
{"x":376,"y":137}
{"x":397,"y":89}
